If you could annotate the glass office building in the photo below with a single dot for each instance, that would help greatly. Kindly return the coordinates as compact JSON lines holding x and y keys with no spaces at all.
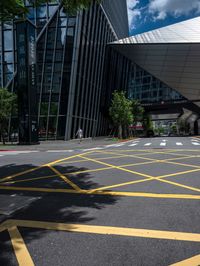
{"x":82,"y":59}
{"x":148,"y":89}
{"x":70,"y":65}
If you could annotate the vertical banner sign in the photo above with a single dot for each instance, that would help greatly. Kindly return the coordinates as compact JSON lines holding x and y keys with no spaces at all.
{"x":26,"y":82}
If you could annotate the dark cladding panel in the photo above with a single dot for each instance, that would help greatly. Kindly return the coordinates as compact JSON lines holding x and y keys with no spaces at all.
{"x":32,"y":88}
{"x":26,"y":83}
{"x":116,"y":11}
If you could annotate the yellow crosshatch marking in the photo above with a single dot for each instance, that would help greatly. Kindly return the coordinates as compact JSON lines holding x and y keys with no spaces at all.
{"x":194,"y":261}
{"x":100,"y":158}
{"x":91,"y":156}
{"x":20,"y":249}
{"x":24,"y":257}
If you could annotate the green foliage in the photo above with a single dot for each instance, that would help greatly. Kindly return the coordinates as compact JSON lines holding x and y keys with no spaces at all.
{"x":9,"y":9}
{"x":173,"y":129}
{"x":183,"y":126}
{"x":159,"y":130}
{"x":137,"y":111}
{"x":121,"y":111}
{"x":7,"y":103}
{"x":72,"y":6}
{"x":147,"y":122}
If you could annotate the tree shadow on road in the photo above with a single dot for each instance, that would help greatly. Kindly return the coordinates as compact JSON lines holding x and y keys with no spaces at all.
{"x":44,"y":206}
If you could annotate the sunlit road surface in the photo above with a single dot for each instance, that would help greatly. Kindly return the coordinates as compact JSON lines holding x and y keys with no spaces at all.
{"x":128,"y":203}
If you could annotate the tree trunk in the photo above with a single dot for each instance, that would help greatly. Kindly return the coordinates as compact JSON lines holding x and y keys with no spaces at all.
{"x":4,"y":142}
{"x":120,"y":131}
{"x":1,"y":134}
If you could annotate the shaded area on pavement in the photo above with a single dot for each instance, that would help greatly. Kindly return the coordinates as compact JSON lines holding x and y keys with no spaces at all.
{"x":45,"y":206}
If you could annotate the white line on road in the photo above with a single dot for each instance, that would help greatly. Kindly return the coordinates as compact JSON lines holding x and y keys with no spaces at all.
{"x":4,"y":153}
{"x":163,"y":144}
{"x":114,"y":145}
{"x":92,"y":149}
{"x":147,"y":144}
{"x":59,"y":150}
{"x":195,"y":139}
{"x":133,"y":144}
{"x":119,"y":145}
{"x":195,"y":143}
{"x":179,"y":143}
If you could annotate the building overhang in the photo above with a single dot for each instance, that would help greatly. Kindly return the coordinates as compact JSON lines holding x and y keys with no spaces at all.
{"x":171,"y":54}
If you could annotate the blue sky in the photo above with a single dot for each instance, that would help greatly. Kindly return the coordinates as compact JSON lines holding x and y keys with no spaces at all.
{"x":145,"y":15}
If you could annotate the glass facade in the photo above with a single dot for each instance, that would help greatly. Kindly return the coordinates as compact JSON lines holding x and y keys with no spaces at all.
{"x":7,"y":53}
{"x":54,"y":61}
{"x":70,"y":65}
{"x":148,"y":89}
{"x":90,"y":69}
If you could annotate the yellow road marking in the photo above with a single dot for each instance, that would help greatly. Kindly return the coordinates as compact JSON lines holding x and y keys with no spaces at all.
{"x":66,"y":159}
{"x":153,"y":150}
{"x":4,"y":225}
{"x":179,"y":185}
{"x":101,"y":158}
{"x":20,"y":173}
{"x":146,"y":180}
{"x":116,"y":167}
{"x":180,"y":173}
{"x":183,"y":164}
{"x":108,"y":193}
{"x":73,"y":173}
{"x":153,"y":159}
{"x":28,"y":179}
{"x":128,"y":155}
{"x":103,"y":169}
{"x":20,"y":249}
{"x":69,"y":182}
{"x":127,"y":170}
{"x":108,"y":230}
{"x":107,"y":168}
{"x":138,"y":181}
{"x":50,"y":176}
{"x":122,"y":184}
{"x":174,"y":153}
{"x":121,"y":168}
{"x":38,"y":167}
{"x":194,"y":261}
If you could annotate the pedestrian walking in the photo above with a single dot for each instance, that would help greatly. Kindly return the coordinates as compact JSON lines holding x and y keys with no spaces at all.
{"x":79,"y":134}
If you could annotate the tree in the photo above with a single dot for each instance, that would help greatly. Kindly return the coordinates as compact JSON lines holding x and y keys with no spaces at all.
{"x":148,"y":125}
{"x":7,"y":103}
{"x":9,"y":9}
{"x":137,"y":111}
{"x":121,"y":111}
{"x":183,"y":126}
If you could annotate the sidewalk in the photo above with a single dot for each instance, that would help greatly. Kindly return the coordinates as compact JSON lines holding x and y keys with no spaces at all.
{"x":60,"y":144}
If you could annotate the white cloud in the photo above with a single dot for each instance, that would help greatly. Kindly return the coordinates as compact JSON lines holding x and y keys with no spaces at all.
{"x":159,"y":9}
{"x":133,"y":13}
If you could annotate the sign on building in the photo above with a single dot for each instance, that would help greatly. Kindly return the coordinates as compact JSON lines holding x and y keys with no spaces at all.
{"x":26,"y":82}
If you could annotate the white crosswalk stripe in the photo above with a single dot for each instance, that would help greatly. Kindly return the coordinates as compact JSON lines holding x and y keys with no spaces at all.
{"x":147,"y":144}
{"x":195,"y":143}
{"x":93,"y":149}
{"x":59,"y":150}
{"x":163,"y":144}
{"x":5,"y":153}
{"x":179,"y":143}
{"x":115,"y":145}
{"x":195,"y":139}
{"x":133,"y":144}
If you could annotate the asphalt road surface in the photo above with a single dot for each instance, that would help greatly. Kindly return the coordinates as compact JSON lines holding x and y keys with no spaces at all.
{"x":124,"y":203}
